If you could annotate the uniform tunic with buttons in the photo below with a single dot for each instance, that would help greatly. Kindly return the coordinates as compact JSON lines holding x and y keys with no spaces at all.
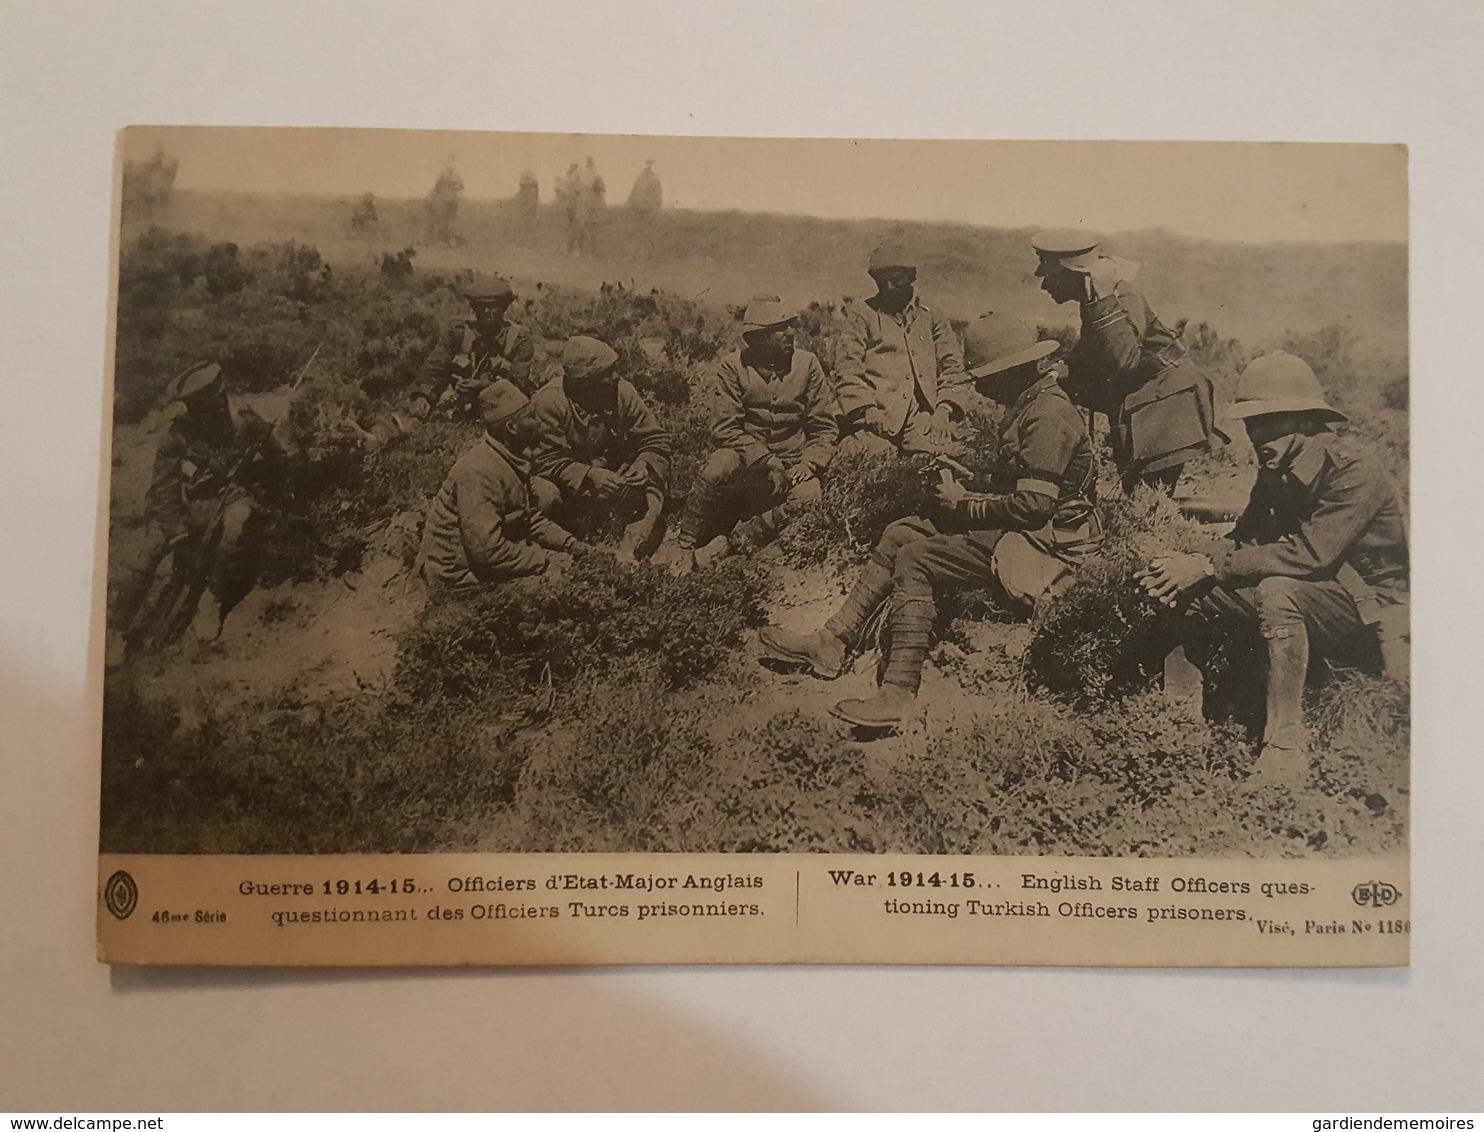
{"x":465,"y":351}
{"x":757,"y":413}
{"x":571,"y":439}
{"x":1134,"y":370}
{"x":1321,"y":547}
{"x":483,"y":525}
{"x":894,"y":367}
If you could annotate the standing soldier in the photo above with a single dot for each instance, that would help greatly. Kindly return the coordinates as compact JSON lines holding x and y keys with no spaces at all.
{"x":900,"y":375}
{"x":1036,"y":521}
{"x":529,"y":195}
{"x":1127,"y":364}
{"x":483,"y":526}
{"x":199,"y":512}
{"x":772,"y":420}
{"x":568,"y":190}
{"x":1317,"y":561}
{"x":646,"y":197}
{"x":591,"y":200}
{"x":599,"y":447}
{"x":476,"y":352}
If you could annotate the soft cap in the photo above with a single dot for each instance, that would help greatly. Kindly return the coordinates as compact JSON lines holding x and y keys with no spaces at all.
{"x":585,"y":358}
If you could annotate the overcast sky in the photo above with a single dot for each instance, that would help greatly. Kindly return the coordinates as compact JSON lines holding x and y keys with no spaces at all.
{"x":1246,"y":192}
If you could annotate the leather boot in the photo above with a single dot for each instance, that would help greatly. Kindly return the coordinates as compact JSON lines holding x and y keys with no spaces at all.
{"x":887,"y":709}
{"x":714,"y":551}
{"x":822,"y":652}
{"x":1283,"y":758}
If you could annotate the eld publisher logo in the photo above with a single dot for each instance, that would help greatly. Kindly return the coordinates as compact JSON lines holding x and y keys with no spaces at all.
{"x":1375,"y":894}
{"x":121,"y":895}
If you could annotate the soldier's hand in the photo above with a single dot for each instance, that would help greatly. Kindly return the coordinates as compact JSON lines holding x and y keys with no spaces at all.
{"x":1170,"y":576}
{"x":799,"y":473}
{"x":606,"y":484}
{"x":635,"y":475}
{"x":939,"y":429}
{"x":470,"y":385}
{"x":579,"y":549}
{"x":949,"y":492}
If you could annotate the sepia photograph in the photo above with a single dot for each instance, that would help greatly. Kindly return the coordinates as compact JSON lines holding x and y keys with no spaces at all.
{"x":545,"y":493}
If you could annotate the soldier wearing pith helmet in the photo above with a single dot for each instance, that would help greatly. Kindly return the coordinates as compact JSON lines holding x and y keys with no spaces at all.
{"x":1316,"y":567}
{"x":1018,"y":533}
{"x":1127,"y":364}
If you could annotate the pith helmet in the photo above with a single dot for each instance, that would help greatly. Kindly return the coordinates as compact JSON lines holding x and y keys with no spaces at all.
{"x":1070,"y":248}
{"x":890,"y":253}
{"x":501,"y":399}
{"x":497,"y":290}
{"x":765,"y":311}
{"x":999,"y":342}
{"x":584,"y":358}
{"x":203,"y":378}
{"x":1279,"y":383}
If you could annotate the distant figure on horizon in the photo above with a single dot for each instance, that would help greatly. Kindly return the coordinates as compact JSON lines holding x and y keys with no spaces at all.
{"x":443,"y":206}
{"x":588,"y":204}
{"x":646,"y":197}
{"x":567,"y":189}
{"x":364,"y":219}
{"x":529,"y":194}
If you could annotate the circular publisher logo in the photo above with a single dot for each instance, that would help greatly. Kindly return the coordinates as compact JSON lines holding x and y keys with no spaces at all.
{"x":121,"y":895}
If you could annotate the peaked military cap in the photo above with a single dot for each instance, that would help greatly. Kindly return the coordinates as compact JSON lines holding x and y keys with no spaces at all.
{"x":999,"y":342}
{"x":500,"y":399}
{"x":496,"y":290}
{"x":765,"y":311}
{"x":584,"y":358}
{"x":1065,"y":247}
{"x":891,"y":253}
{"x":203,"y":377}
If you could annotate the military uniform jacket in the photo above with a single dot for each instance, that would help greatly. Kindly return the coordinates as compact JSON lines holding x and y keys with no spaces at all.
{"x":196,"y":465}
{"x":1043,"y":476}
{"x":904,"y":364}
{"x":1133,"y":369}
{"x":1332,"y":514}
{"x":571,"y":440}
{"x":484,"y":523}
{"x":464,"y":351}
{"x":757,"y":413}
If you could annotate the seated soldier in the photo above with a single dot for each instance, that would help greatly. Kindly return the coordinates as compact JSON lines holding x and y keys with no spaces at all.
{"x":598,"y":447}
{"x":900,"y":374}
{"x":1317,"y":565}
{"x":483,"y":526}
{"x":1036,"y":522}
{"x":474,"y":353}
{"x":201,"y":512}
{"x":774,"y":428}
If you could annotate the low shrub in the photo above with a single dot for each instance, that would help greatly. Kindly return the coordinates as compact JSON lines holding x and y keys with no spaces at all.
{"x":1102,"y":637}
{"x":577,"y":624}
{"x":863,"y":494}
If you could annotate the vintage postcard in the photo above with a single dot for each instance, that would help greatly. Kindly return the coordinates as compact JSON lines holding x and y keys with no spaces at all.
{"x":558,"y":549}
